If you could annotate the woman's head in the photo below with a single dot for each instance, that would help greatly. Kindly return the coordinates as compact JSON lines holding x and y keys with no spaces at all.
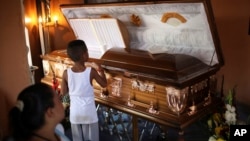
{"x":31,"y":112}
{"x":77,"y":51}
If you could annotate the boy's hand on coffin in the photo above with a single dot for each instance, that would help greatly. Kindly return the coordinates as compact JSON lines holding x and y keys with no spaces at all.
{"x":93,"y":65}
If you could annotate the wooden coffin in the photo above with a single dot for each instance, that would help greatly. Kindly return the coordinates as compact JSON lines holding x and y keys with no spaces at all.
{"x":180,"y":88}
{"x":160,"y":57}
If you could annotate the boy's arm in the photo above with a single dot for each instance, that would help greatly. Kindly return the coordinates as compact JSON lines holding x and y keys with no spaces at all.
{"x":64,"y":83}
{"x":97,"y":73}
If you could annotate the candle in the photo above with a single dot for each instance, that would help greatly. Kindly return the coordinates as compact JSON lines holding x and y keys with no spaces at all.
{"x":40,"y":28}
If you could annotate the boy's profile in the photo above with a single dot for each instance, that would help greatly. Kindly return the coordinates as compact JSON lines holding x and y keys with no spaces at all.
{"x":77,"y":82}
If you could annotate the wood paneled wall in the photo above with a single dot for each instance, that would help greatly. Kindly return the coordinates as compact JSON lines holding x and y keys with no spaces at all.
{"x":14,"y":70}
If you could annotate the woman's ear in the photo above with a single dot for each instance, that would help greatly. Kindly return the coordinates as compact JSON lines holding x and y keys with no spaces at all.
{"x":50,"y":112}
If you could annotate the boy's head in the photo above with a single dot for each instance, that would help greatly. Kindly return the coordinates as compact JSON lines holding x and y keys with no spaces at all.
{"x":76,"y":50}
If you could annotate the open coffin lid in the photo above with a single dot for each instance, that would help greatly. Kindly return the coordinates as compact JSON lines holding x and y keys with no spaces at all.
{"x":170,"y":42}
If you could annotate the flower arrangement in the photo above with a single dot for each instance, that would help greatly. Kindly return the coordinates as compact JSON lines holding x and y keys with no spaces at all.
{"x":220,"y":121}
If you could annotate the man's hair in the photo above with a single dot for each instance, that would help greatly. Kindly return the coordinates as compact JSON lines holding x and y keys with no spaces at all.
{"x":75,"y":50}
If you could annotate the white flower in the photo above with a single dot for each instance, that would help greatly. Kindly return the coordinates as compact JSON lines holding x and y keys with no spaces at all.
{"x":230,"y":115}
{"x":212,"y":138}
{"x":230,"y":108}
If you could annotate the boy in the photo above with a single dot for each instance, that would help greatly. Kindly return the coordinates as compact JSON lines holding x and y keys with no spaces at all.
{"x":77,"y":82}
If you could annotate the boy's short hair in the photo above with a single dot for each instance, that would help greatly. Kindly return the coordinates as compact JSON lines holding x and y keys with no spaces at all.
{"x":75,"y":49}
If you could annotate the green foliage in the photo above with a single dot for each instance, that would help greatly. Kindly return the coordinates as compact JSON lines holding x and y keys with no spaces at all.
{"x":229,"y":98}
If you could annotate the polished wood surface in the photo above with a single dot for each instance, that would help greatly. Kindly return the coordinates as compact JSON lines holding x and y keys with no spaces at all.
{"x":178,"y":70}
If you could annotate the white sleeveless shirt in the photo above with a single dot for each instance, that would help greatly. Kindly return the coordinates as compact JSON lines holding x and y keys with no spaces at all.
{"x":82,"y":101}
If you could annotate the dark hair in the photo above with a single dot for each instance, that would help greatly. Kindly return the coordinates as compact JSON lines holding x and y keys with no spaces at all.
{"x":36,"y":100}
{"x":75,"y":50}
